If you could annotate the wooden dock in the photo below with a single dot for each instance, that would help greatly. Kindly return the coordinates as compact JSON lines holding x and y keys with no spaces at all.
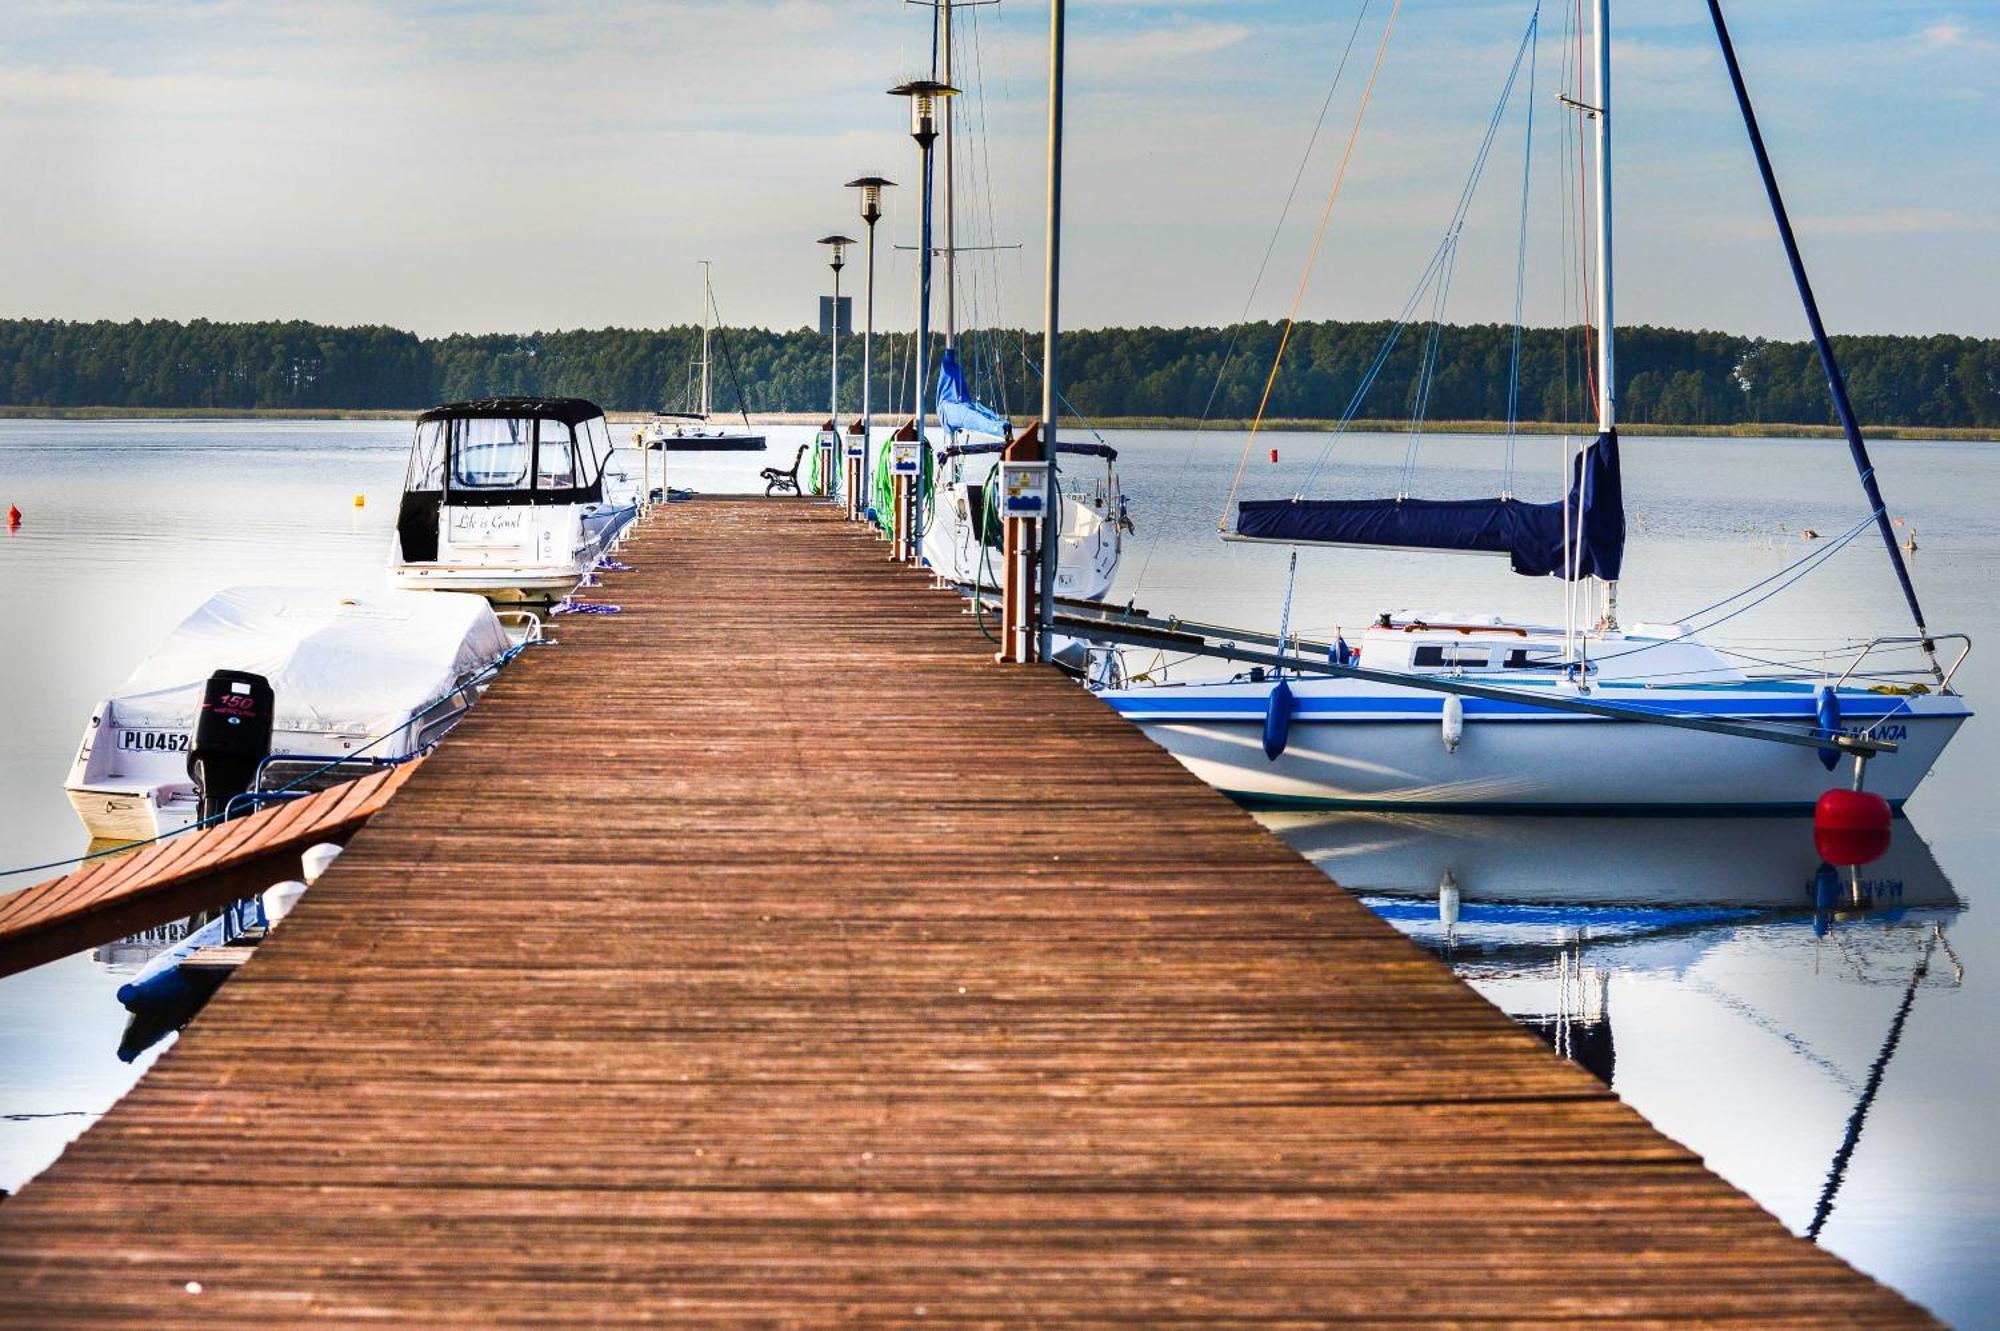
{"x":764,"y":955}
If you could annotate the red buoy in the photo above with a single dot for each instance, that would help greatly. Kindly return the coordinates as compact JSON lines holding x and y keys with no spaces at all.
{"x":13,"y":517}
{"x":1851,"y":827}
{"x":1274,"y":455}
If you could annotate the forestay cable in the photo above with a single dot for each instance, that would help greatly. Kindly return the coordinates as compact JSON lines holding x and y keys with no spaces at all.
{"x":1305,"y":279}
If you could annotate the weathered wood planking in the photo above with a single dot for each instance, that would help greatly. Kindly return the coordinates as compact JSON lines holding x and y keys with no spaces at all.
{"x":763,"y":955}
{"x":108,"y":898}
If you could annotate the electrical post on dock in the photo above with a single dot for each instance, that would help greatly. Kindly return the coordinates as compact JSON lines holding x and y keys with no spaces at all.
{"x":925,"y":96}
{"x":1022,"y":506}
{"x":905,"y":467}
{"x":859,"y":486}
{"x":828,"y":444}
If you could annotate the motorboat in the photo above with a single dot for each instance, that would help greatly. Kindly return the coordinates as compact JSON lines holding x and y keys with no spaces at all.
{"x":356,"y":681}
{"x":514,"y":498}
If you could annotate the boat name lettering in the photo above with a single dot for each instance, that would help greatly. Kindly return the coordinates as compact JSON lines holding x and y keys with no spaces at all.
{"x":487,"y":520}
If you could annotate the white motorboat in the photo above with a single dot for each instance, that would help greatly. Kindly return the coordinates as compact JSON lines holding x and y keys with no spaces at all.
{"x":513,"y":498}
{"x":697,"y":431}
{"x":1587,"y":716}
{"x":368,"y":678}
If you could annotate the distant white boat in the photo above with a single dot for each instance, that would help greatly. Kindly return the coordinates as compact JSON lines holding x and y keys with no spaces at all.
{"x":514,"y":498}
{"x":376,"y":678}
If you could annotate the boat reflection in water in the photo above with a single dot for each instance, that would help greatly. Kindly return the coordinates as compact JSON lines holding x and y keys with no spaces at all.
{"x":1754,"y":989}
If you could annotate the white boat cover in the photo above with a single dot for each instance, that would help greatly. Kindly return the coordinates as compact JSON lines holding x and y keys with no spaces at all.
{"x":351,"y":663}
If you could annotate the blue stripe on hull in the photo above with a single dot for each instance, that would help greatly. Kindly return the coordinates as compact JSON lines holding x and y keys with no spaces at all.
{"x":1279,"y":803}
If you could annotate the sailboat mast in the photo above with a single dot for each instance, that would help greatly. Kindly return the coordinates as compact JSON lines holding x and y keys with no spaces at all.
{"x":707,"y":306}
{"x":950,"y":185}
{"x":1607,"y":402}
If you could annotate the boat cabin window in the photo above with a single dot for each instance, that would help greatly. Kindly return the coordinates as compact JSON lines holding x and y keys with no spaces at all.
{"x":555,"y":457}
{"x":427,"y":458}
{"x":491,"y":454}
{"x":1533,"y":658}
{"x":1453,"y":655}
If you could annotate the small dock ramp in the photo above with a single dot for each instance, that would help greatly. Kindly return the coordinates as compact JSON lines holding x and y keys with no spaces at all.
{"x":108,"y":897}
{"x":763,"y":955}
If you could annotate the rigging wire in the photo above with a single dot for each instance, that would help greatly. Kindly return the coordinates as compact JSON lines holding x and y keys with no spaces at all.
{"x":1521,"y":255}
{"x":1312,"y":258}
{"x":1263,"y":266}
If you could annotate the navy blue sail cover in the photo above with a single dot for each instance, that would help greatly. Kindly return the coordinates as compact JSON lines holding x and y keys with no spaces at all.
{"x":1530,"y":535}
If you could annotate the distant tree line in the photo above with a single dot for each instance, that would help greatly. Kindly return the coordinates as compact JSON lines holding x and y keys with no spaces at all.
{"x":1668,"y":377}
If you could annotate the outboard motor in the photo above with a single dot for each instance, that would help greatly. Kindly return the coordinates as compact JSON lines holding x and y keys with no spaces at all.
{"x":232,"y":735}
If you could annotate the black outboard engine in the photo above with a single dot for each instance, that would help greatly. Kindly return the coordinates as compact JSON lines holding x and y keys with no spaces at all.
{"x":232,"y":735}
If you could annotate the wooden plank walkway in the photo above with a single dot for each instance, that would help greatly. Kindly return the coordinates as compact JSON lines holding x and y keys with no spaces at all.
{"x":108,"y":898}
{"x":763,"y":955}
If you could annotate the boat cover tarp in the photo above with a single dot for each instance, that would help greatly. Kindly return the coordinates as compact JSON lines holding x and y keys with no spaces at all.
{"x":1530,"y":535}
{"x":353,"y":663}
{"x":955,"y":408}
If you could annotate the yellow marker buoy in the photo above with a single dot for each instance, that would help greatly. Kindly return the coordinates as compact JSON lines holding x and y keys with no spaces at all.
{"x":361,"y":501}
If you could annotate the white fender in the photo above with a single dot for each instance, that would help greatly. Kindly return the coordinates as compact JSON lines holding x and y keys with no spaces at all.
{"x":279,"y":898}
{"x":1448,"y":899}
{"x":316,"y":858}
{"x":1454,"y":722}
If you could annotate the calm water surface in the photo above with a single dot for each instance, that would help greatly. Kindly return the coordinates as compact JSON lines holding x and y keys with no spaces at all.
{"x":1838,"y":1062}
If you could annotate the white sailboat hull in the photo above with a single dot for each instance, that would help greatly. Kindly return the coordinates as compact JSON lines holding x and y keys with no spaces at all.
{"x":1365,"y":746}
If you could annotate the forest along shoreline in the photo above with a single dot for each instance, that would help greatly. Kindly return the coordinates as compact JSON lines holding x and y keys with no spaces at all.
{"x":1752,"y":430}
{"x":1674,"y":379}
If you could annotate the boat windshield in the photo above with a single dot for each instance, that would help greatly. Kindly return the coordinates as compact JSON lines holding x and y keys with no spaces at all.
{"x":501,"y":454}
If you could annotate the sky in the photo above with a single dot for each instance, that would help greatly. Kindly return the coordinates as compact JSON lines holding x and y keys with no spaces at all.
{"x":507,"y":166}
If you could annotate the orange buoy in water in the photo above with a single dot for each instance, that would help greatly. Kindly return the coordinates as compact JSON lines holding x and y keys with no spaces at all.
{"x":13,"y":517}
{"x":1851,"y":827}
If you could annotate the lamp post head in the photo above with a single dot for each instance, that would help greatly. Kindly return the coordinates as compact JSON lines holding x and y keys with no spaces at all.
{"x":871,"y":188}
{"x":924,"y":95}
{"x":838,"y":244}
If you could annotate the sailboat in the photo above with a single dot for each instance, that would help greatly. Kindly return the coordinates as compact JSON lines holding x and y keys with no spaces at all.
{"x":1588,"y":715}
{"x":961,"y":532}
{"x":695,"y":431}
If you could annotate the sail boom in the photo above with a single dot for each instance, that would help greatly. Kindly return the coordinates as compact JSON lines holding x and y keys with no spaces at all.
{"x":1235,"y":539}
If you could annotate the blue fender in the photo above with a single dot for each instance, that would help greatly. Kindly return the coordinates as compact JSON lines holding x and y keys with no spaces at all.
{"x":1829,"y":725}
{"x":1278,"y":709}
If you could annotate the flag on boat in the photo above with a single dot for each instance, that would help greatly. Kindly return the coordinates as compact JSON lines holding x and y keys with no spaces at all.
{"x":955,"y":408}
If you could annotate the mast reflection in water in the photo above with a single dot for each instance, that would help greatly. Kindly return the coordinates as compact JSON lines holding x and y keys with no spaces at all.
{"x":1587,"y":930}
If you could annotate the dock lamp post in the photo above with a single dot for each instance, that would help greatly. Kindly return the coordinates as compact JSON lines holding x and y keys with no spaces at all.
{"x":906,"y":462}
{"x":860,"y":479}
{"x":829,"y":441}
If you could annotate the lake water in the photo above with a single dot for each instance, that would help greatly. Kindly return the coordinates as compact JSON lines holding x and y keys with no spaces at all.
{"x":1837,"y":1062}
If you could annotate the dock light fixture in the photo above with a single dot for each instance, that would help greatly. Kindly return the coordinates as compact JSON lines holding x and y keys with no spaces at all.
{"x":829,"y":441}
{"x":860,"y":466}
{"x":924,"y":95}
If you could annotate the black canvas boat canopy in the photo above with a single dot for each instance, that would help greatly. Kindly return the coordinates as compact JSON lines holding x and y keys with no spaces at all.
{"x":568,"y":410}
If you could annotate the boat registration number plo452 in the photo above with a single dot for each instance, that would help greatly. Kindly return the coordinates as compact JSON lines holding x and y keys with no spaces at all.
{"x":155,"y":741}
